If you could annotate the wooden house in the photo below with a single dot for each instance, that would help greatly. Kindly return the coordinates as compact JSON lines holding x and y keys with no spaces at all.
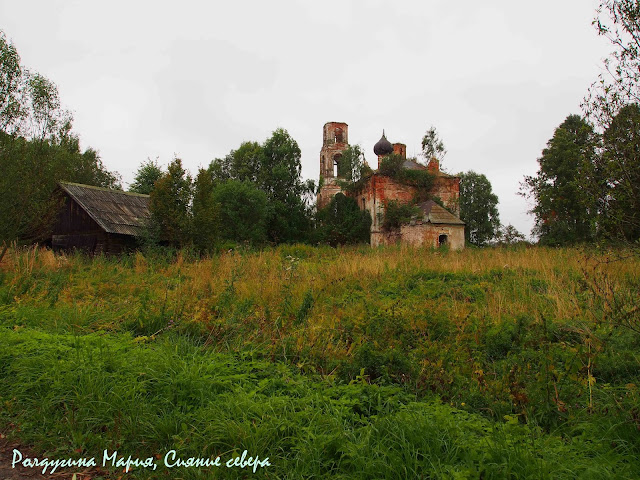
{"x":98,"y":220}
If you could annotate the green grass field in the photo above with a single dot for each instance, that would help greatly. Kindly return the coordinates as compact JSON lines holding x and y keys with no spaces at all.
{"x":348,"y":363}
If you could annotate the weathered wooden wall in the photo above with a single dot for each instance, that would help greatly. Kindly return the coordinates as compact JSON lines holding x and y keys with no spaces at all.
{"x":74,"y":229}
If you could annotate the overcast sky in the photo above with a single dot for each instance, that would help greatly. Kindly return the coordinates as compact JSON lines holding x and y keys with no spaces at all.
{"x":195,"y":79}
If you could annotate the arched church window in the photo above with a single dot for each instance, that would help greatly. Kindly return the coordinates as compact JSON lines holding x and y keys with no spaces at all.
{"x":336,"y":161}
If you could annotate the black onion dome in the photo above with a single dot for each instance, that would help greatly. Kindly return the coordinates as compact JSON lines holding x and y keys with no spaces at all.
{"x":383,"y":147}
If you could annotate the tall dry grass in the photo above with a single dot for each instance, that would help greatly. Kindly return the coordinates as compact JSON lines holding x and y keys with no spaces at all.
{"x":543,"y":334}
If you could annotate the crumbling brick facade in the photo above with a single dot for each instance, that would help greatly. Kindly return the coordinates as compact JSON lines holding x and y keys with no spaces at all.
{"x":422,"y":234}
{"x":335,"y":139}
{"x":379,"y":189}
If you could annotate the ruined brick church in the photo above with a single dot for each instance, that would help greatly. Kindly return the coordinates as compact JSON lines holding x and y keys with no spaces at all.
{"x":439,"y":223}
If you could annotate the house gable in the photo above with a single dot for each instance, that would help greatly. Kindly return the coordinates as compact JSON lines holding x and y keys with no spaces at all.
{"x":98,"y":220}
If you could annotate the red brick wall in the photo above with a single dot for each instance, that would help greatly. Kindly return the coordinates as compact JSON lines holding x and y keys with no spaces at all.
{"x":400,"y":149}
{"x":422,"y":235}
{"x":380,"y":189}
{"x":447,"y":189}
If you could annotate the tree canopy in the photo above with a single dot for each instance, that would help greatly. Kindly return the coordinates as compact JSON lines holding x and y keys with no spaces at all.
{"x":478,"y":208}
{"x":30,"y":105}
{"x":11,"y":81}
{"x":274,"y":168}
{"x":251,"y":196}
{"x":352,"y":165}
{"x":509,"y":235}
{"x":37,"y":150}
{"x":242,"y":212}
{"x":342,"y":222}
{"x":619,"y":83}
{"x":31,"y":171}
{"x":170,"y":206}
{"x":612,"y":105}
{"x":563,"y":213}
{"x":432,"y":146}
{"x":146,"y":177}
{"x":618,"y":168}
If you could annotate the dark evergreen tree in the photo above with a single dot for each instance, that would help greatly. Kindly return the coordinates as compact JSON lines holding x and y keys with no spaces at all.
{"x":206,"y":213}
{"x":170,"y":206}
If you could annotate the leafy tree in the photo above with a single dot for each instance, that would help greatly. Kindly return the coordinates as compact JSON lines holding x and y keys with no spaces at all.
{"x":280,"y":179}
{"x":242,"y":212}
{"x":274,"y":167}
{"x":618,"y":169}
{"x":391,"y":165}
{"x":619,"y":84}
{"x":432,"y":146}
{"x":32,"y":167}
{"x":563,"y":214}
{"x":31,"y":171}
{"x":353,"y":169}
{"x":352,"y":165}
{"x":478,"y":208}
{"x":10,"y":86}
{"x":46,"y":118}
{"x":29,"y":102}
{"x":170,"y":206}
{"x":27,"y":207}
{"x":396,"y":214}
{"x":68,"y":163}
{"x":612,"y":103}
{"x":342,"y":222}
{"x":509,"y":235}
{"x":146,"y":176}
{"x":280,"y":171}
{"x":243,"y":164}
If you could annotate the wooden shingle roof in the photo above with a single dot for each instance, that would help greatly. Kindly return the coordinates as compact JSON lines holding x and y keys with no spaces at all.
{"x":114,"y":210}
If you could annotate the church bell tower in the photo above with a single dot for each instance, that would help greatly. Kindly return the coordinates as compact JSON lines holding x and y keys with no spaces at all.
{"x":335,"y":139}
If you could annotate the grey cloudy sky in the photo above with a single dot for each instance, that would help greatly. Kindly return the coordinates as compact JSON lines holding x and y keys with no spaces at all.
{"x":195,"y":79}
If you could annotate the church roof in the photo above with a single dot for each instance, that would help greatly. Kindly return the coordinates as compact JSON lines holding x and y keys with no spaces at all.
{"x":434,"y":213}
{"x":411,"y":165}
{"x":383,"y":147}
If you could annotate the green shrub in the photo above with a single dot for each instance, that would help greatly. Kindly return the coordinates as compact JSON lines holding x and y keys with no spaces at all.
{"x":397,"y":214}
{"x":342,"y":222}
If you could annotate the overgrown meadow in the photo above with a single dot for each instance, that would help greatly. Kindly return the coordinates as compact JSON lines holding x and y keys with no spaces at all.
{"x":333,"y":363}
